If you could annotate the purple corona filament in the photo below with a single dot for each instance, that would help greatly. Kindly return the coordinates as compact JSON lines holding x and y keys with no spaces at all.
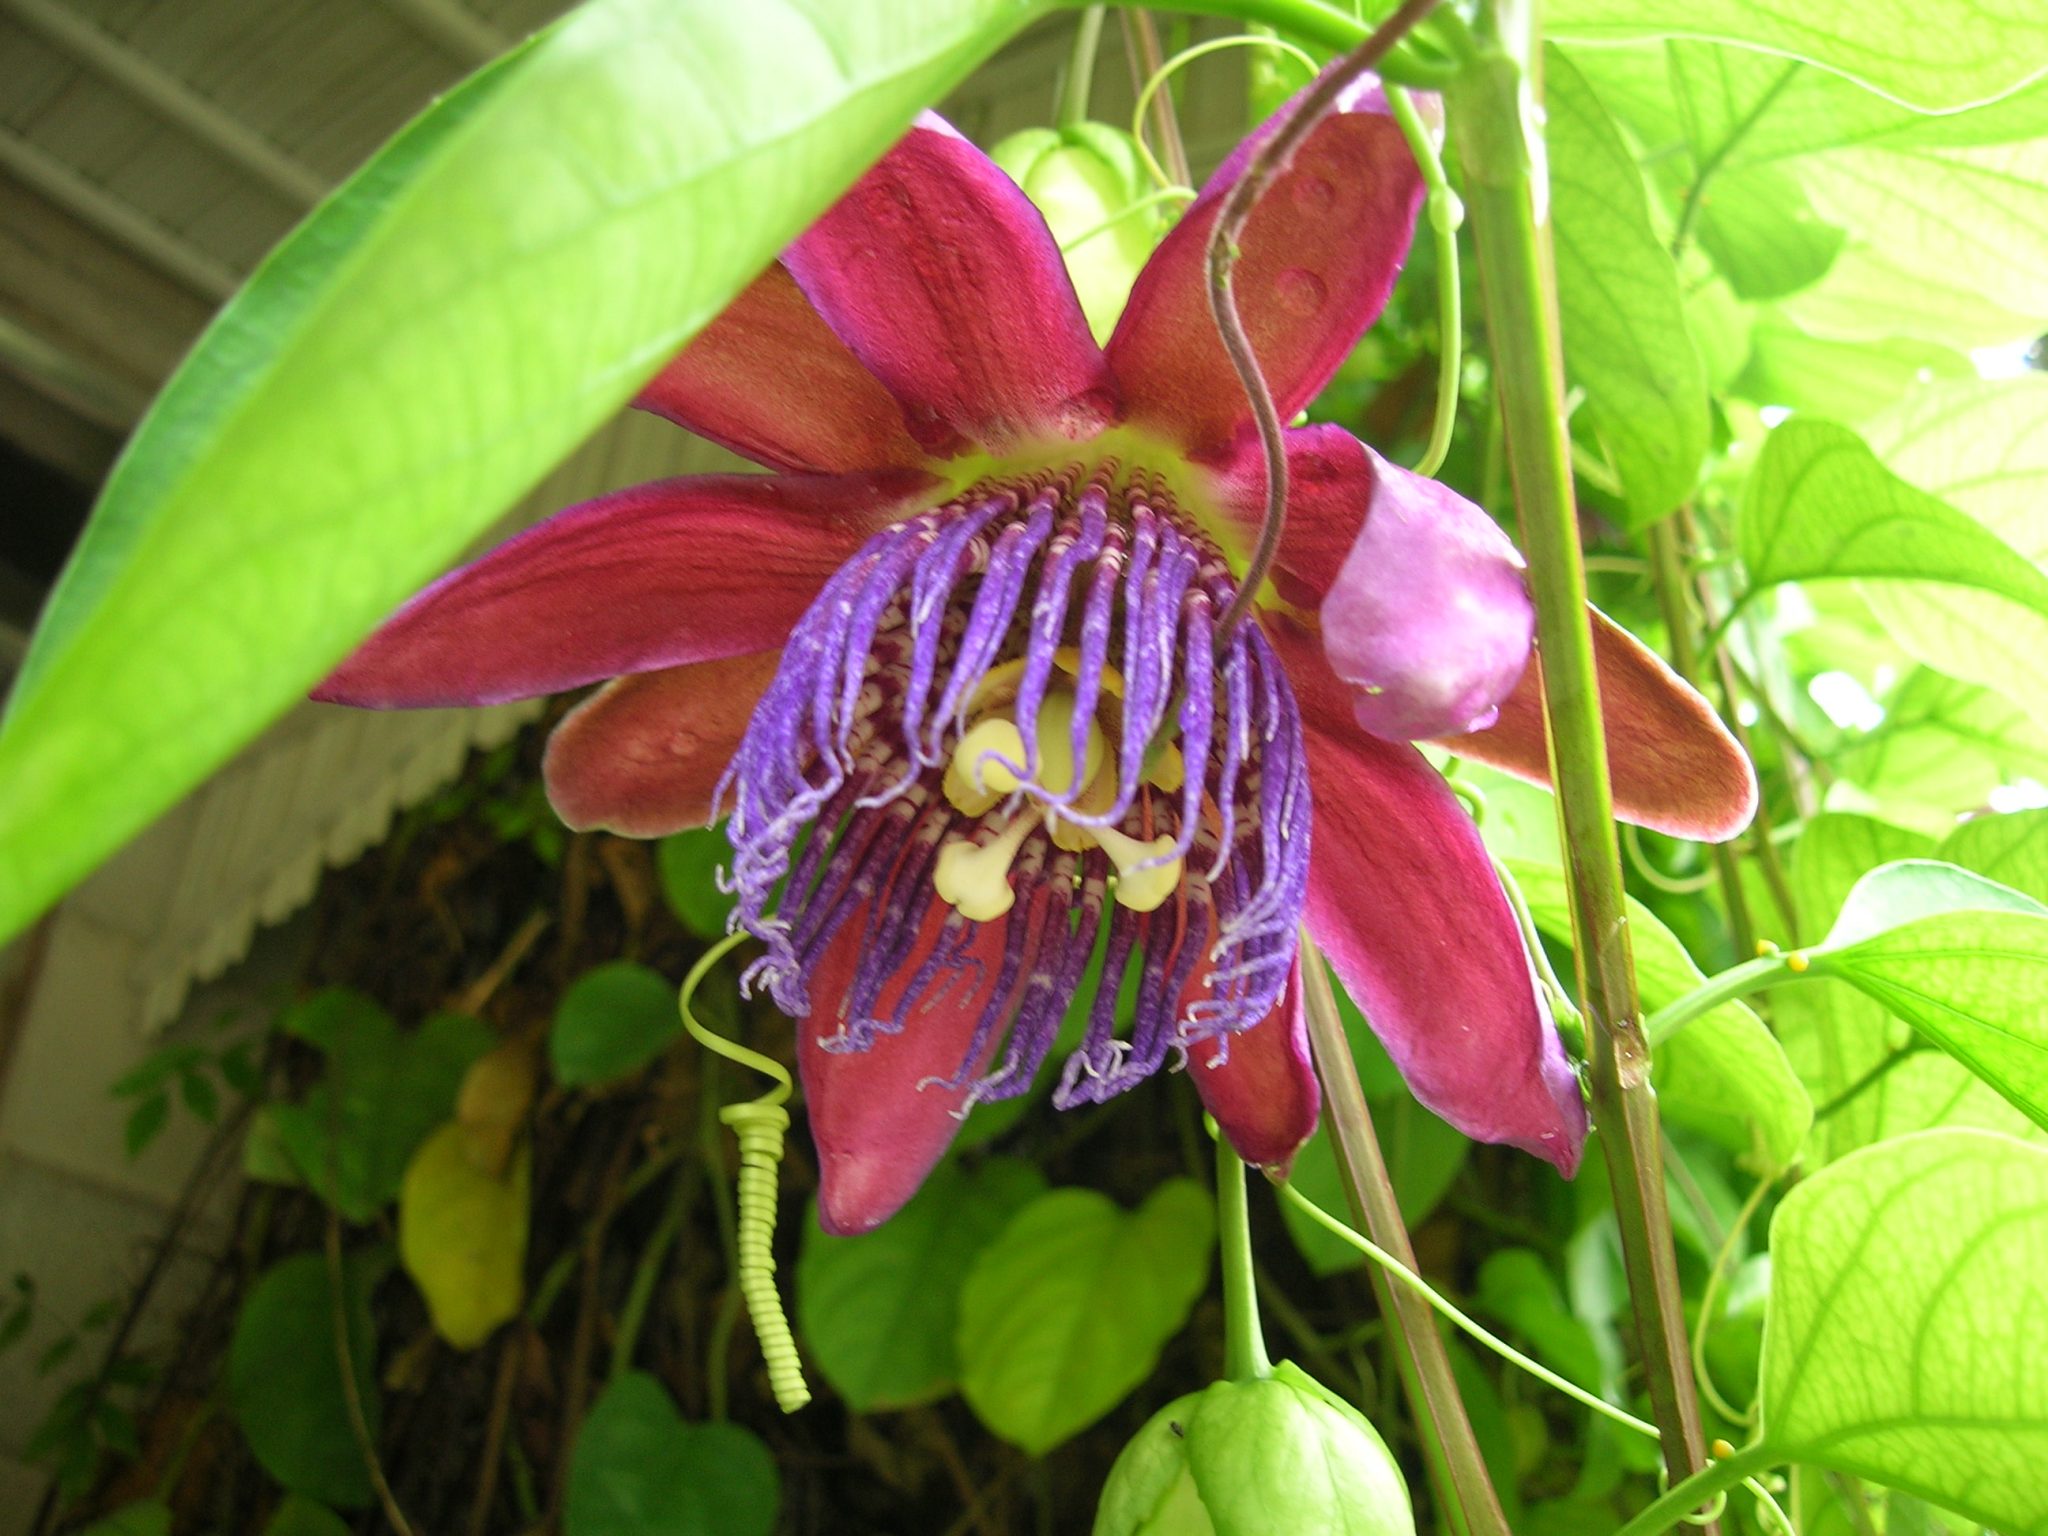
{"x":1134,"y":780}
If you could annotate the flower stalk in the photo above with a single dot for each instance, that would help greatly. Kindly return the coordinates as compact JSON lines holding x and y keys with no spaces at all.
{"x":1244,"y":1342}
{"x":1492,"y":112}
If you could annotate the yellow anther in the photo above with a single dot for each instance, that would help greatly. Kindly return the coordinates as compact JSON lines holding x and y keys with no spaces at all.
{"x":975,"y":782}
{"x":1068,"y":659}
{"x":975,"y":877}
{"x":1095,"y":800}
{"x":1142,"y":890}
{"x":1056,"y":745}
{"x":1166,"y":770}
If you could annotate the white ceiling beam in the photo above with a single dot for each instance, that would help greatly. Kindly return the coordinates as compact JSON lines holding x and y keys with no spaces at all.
{"x":170,"y":98}
{"x":95,"y":205}
{"x":454,"y":26}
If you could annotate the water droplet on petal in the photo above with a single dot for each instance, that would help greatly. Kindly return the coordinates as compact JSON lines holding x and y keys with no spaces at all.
{"x":1315,"y":193}
{"x":1299,"y":291}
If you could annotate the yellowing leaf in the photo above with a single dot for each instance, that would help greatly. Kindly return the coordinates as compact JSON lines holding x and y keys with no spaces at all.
{"x":462,"y":1235}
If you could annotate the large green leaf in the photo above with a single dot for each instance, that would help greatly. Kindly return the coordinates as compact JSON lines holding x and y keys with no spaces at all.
{"x":437,"y":335}
{"x":1848,"y":1049}
{"x":1625,"y":335}
{"x":1724,"y":1075}
{"x":1820,"y":505}
{"x":1949,"y":590}
{"x":1982,"y":446}
{"x":1908,"y":1284}
{"x":1066,"y":1310}
{"x":1943,"y":54}
{"x":1961,"y":958}
{"x":614,"y":1019}
{"x":383,"y":1091}
{"x":638,"y":1470}
{"x":1943,"y":747}
{"x":1743,"y":107}
{"x":879,"y":1312}
{"x":284,"y":1375}
{"x":1845,"y":381}
{"x":2013,"y":850}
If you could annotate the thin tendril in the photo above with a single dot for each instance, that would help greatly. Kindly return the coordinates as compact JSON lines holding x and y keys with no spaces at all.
{"x":1236,"y":212}
{"x":1149,"y":200}
{"x":1446,"y":213}
{"x":1428,"y":1293}
{"x":731,"y":1050}
{"x":760,"y":1125}
{"x":1713,"y":1288}
{"x":1180,"y":61}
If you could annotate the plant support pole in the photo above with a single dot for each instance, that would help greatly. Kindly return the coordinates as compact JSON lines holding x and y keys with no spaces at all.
{"x":1493,"y":112}
{"x":1425,"y":1364}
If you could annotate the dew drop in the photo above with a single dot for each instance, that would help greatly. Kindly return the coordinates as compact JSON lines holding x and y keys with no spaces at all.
{"x":1317,"y":194}
{"x":1299,"y":291}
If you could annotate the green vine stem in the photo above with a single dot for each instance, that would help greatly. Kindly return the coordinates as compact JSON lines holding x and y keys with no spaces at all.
{"x":1493,"y":114}
{"x":1078,"y":84}
{"x":1425,"y":1364}
{"x":1244,"y":1343}
{"x":1702,"y":1488}
{"x":1736,"y":981}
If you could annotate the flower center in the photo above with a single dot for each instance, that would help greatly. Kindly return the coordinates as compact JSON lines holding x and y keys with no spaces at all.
{"x":1005,"y":736}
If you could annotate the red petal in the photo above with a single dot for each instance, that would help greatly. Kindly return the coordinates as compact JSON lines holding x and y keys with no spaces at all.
{"x":1403,"y":899}
{"x":879,"y":1121}
{"x":769,"y":380}
{"x":942,"y":277}
{"x":662,"y":574}
{"x":1263,"y":1092}
{"x":643,"y":754}
{"x":1676,"y":768}
{"x":1318,"y":259}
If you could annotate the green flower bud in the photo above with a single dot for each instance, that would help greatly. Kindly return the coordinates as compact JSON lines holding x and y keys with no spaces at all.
{"x":1081,"y":178}
{"x":1251,"y":1458}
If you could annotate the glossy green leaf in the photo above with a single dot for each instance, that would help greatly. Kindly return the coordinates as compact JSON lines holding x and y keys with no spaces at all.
{"x":1625,"y":336}
{"x":1724,"y":1075}
{"x":1764,"y":233}
{"x":1950,"y":590}
{"x":1986,"y":48}
{"x":1900,"y":1340}
{"x":1066,"y":1311}
{"x":1820,"y":505}
{"x":613,"y":1020}
{"x":1908,"y":890}
{"x":382,"y":1091}
{"x":878,"y":1313}
{"x":1962,"y":959}
{"x":1848,"y":1049}
{"x":437,"y":335}
{"x":637,"y":1469}
{"x":284,"y":1378}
